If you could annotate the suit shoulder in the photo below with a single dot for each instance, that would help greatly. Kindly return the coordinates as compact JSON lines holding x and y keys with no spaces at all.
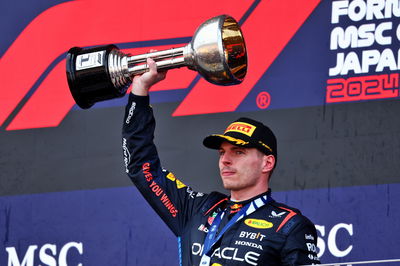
{"x":214,"y":201}
{"x":285,"y":208}
{"x":289,"y":217}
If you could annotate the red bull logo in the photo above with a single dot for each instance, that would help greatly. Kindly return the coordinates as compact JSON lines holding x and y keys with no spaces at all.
{"x":236,"y":206}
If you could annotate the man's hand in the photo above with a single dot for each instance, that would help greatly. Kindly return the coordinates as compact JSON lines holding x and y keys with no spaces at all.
{"x":142,"y":84}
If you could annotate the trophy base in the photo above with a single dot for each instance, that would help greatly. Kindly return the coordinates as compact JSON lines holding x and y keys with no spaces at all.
{"x":89,"y":78}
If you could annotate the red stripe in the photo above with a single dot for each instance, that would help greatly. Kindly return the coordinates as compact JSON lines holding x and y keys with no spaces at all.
{"x":287,"y":218}
{"x":82,"y":23}
{"x":48,"y":105}
{"x":215,"y":205}
{"x":266,"y":32}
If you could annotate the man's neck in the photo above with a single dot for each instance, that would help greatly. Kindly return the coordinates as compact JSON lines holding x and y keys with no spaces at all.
{"x":243,"y":195}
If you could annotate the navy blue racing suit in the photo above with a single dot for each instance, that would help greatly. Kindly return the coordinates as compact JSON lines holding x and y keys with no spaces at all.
{"x":275,"y":234}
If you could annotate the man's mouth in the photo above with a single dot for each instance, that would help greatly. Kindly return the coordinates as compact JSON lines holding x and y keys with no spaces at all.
{"x":227,"y":172}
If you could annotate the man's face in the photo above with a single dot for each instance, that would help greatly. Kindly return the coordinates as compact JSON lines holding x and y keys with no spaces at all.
{"x":240,"y":168}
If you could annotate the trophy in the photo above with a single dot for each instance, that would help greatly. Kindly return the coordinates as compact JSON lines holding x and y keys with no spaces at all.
{"x":217,"y":51}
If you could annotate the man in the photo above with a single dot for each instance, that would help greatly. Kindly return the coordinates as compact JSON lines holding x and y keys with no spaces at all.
{"x":247,"y":228}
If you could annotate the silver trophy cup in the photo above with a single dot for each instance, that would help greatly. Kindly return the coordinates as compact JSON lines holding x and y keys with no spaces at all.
{"x":217,"y":51}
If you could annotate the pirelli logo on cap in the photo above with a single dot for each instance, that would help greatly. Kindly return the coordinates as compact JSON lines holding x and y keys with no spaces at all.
{"x":241,"y":127}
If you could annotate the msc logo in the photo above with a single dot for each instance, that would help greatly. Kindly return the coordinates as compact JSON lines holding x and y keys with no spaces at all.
{"x":330,"y":243}
{"x":41,"y":98}
{"x":48,"y":254}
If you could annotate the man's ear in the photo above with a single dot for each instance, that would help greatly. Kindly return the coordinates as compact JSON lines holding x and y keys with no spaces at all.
{"x":268,"y":163}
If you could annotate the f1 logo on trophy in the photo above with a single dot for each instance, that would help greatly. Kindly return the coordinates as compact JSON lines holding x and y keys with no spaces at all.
{"x":217,"y":51}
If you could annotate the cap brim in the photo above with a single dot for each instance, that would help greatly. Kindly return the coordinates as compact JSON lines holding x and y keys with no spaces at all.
{"x":214,"y":141}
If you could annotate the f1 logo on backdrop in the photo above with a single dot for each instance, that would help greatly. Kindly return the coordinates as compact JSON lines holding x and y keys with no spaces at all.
{"x":38,"y":96}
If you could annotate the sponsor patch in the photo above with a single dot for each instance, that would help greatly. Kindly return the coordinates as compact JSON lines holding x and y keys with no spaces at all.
{"x":252,"y":235}
{"x":179,"y":184}
{"x":309,"y":237}
{"x":248,"y":244}
{"x":127,"y":155}
{"x":210,"y":219}
{"x":241,"y":127}
{"x":203,"y":228}
{"x":171,"y":177}
{"x":130,"y":113}
{"x":276,"y":215}
{"x":235,"y":208}
{"x":258,"y":223}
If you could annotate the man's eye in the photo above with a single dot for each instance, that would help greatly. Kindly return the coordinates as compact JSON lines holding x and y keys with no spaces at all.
{"x":239,"y":152}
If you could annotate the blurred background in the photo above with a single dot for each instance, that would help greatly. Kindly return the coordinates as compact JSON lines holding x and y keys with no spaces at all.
{"x":324,"y":75}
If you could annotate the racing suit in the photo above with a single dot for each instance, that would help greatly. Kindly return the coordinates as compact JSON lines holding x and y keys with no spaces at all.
{"x":274,"y":234}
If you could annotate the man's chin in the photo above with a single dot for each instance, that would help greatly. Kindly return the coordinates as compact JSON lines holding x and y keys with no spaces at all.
{"x":230,"y":186}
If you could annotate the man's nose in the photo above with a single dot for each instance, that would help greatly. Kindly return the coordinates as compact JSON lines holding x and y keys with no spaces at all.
{"x":225,"y":159}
